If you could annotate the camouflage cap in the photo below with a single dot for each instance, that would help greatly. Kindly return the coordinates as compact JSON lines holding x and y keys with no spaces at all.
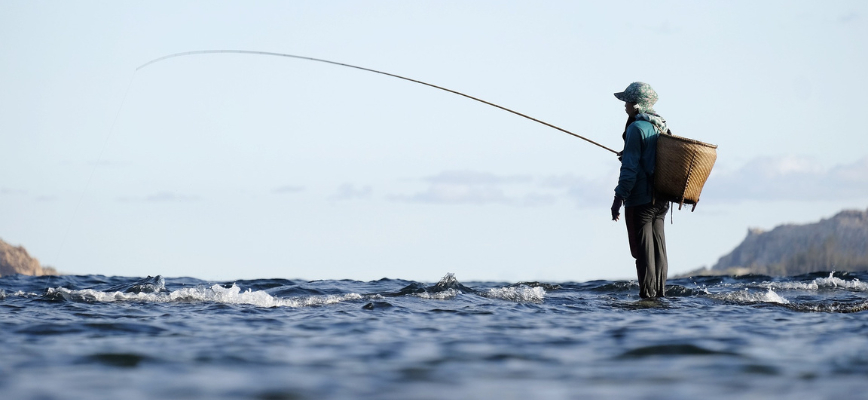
{"x":640,"y":93}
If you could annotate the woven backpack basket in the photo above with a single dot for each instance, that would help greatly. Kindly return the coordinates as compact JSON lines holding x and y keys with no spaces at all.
{"x":682,"y":167}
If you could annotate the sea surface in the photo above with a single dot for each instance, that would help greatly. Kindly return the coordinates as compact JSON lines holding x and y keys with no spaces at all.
{"x":759,"y":337}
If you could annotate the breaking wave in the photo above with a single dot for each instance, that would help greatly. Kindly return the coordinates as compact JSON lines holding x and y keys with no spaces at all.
{"x":449,"y":287}
{"x":519,"y":293}
{"x":748,"y":296}
{"x":447,"y":294}
{"x":215,"y":293}
{"x":153,"y":290}
{"x":826,"y":292}
{"x":831,"y":282}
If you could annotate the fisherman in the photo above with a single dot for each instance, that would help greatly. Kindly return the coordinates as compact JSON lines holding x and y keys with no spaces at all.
{"x":644,"y":215}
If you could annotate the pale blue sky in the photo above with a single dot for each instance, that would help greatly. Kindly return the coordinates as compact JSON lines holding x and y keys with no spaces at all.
{"x":234,"y":166}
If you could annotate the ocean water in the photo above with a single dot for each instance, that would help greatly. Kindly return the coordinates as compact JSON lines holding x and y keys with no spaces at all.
{"x":98,"y":337}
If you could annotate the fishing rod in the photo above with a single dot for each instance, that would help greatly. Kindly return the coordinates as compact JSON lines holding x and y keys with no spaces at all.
{"x":266,"y":53}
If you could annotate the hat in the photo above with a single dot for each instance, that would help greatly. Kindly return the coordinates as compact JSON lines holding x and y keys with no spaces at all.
{"x":640,"y":93}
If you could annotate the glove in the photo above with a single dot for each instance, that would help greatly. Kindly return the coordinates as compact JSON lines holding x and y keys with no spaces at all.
{"x":616,"y":208}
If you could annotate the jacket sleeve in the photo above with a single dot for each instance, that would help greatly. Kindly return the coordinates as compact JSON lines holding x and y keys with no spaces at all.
{"x":629,"y":162}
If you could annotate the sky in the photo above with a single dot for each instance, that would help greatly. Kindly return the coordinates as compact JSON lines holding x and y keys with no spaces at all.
{"x":228,"y":166}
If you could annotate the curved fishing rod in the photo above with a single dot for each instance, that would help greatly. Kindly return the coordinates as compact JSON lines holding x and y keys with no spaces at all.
{"x":266,"y":53}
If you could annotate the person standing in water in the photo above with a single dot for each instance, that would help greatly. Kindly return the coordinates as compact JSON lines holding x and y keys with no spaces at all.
{"x":644,"y":216}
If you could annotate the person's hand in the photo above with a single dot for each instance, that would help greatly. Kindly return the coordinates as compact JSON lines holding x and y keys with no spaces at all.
{"x":616,"y":208}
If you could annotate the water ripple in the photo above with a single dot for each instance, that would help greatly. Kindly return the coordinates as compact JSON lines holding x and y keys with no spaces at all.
{"x":711,"y":337}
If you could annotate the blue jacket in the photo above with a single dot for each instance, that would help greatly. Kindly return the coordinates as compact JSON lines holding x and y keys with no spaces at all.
{"x":635,"y":184}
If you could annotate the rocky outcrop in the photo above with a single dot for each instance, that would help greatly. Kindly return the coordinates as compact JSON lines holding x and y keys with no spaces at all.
{"x":839,"y":243}
{"x":15,"y":260}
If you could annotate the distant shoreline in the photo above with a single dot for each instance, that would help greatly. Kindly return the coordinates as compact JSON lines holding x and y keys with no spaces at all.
{"x":16,"y":260}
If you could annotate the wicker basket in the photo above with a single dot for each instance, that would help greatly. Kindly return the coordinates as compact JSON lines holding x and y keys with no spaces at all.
{"x":682,"y":167}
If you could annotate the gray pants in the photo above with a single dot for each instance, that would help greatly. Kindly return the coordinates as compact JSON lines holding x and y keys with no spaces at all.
{"x":648,"y":246}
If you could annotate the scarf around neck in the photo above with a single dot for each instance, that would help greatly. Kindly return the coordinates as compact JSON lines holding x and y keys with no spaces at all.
{"x":655,"y":119}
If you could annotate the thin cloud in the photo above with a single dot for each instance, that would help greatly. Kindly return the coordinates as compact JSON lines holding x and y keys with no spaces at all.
{"x":585,"y":192}
{"x":444,"y":193}
{"x":475,"y":178}
{"x":848,"y":18}
{"x":663,"y":28}
{"x":10,"y":192}
{"x":287,"y":189}
{"x":102,"y":163}
{"x":4,"y":191}
{"x":478,"y":188}
{"x":789,"y":178}
{"x":536,"y":200}
{"x":348,"y":191}
{"x":161,"y":197}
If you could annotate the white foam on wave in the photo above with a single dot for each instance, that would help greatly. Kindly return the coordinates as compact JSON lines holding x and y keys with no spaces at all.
{"x":823,"y":283}
{"x":215,"y":293}
{"x":520,"y":294}
{"x":447,"y":294}
{"x":745,"y":296}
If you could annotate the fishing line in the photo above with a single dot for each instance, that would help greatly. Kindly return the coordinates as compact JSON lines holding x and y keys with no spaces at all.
{"x":266,"y":53}
{"x":95,"y":164}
